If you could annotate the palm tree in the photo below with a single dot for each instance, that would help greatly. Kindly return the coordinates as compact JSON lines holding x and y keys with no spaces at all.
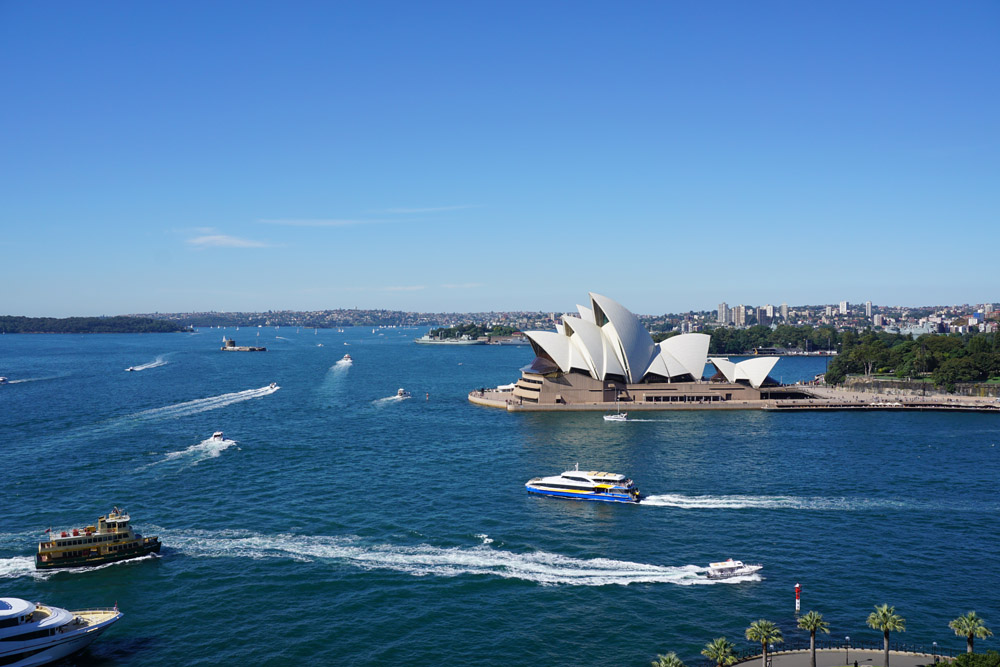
{"x":720,"y":651}
{"x":970,"y":626}
{"x":668,"y":660}
{"x":812,"y":622}
{"x":884,"y":618}
{"x":766,"y":633}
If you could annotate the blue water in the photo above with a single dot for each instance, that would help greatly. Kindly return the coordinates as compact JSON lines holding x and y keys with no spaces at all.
{"x":338,"y":525}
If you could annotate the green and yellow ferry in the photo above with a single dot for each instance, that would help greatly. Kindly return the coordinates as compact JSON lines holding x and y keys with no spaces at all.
{"x":112,"y":539}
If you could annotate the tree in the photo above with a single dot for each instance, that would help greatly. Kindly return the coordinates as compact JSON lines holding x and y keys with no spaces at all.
{"x":720,"y":651}
{"x":970,"y":626}
{"x":812,"y":622}
{"x":766,"y":633}
{"x":668,"y":660}
{"x":884,"y":618}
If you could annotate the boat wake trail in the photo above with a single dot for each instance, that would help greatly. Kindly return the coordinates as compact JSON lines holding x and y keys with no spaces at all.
{"x":156,"y":363}
{"x":203,"y":404}
{"x":51,"y":377}
{"x":18,"y":566}
{"x":195,"y":454}
{"x":388,"y":400}
{"x":770,"y":502}
{"x":425,"y":560}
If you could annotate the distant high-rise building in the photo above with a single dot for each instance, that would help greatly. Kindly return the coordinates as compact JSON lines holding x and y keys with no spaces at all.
{"x":723,"y":317}
{"x":784,"y":311}
{"x":829,"y":311}
{"x":987,"y":308}
{"x":868,"y":308}
{"x":843,"y":307}
{"x":879,"y":320}
{"x":740,"y":316}
{"x":769,"y":311}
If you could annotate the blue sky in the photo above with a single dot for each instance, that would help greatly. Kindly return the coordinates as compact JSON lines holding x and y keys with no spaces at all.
{"x":496,"y":156}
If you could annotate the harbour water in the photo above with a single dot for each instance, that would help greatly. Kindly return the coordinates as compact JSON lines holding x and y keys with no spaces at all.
{"x":337,"y":524}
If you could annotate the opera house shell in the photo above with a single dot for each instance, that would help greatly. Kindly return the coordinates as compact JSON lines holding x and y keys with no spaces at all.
{"x":604,"y":354}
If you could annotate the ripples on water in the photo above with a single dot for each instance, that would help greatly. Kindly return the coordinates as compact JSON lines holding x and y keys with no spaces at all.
{"x":337,"y":523}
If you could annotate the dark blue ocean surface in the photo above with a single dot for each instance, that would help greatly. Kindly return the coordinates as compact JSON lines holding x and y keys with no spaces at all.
{"x":339,"y":525}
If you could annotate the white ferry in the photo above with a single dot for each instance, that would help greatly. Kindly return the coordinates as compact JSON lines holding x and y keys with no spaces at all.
{"x":111,"y":540}
{"x":579,"y":485}
{"x":32,"y":633}
{"x":731,"y":568}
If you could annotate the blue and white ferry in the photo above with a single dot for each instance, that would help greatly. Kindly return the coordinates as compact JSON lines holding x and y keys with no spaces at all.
{"x":580,"y":485}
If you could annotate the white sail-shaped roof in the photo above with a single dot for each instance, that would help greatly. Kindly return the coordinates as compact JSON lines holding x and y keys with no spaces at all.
{"x":608,"y":340}
{"x":635,"y":346}
{"x":691,"y":350}
{"x":754,"y":371}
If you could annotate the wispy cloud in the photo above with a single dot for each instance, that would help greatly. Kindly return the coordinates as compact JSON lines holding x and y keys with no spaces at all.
{"x":224,"y":241}
{"x":429,"y":209}
{"x":318,"y":222}
{"x":403,"y":288}
{"x":463,"y":286}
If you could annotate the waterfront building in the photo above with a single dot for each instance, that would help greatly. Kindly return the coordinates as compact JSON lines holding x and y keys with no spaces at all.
{"x":604,"y":355}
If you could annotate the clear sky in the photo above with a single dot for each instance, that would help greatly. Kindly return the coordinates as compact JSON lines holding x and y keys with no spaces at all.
{"x":455,"y":156}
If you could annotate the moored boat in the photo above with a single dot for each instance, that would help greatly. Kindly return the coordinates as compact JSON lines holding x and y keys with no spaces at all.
{"x":731,"y":568}
{"x":111,"y":540}
{"x":32,"y":633}
{"x":580,"y":485}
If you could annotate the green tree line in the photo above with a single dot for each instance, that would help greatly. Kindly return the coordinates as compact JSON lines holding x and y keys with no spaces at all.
{"x":117,"y":324}
{"x":943,"y":359}
{"x":472,"y":331}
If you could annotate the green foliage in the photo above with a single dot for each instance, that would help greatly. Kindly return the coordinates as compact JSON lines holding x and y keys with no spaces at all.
{"x":947,"y":358}
{"x":886,"y":620}
{"x":668,"y":660}
{"x":472,"y":331}
{"x":971,"y":627}
{"x":988,"y":659}
{"x":765,"y":632}
{"x":720,"y":651}
{"x":118,"y":324}
{"x":813,"y":622}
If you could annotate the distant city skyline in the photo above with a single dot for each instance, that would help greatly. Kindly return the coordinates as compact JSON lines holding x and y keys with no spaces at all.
{"x":462,"y":157}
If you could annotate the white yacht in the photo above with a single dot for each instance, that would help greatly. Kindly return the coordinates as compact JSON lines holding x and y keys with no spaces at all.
{"x":218,"y":435}
{"x":579,"y":485}
{"x":130,"y":369}
{"x":731,"y":568}
{"x":32,"y":633}
{"x":346,"y":359}
{"x":617,"y":417}
{"x":3,"y":380}
{"x":402,"y":393}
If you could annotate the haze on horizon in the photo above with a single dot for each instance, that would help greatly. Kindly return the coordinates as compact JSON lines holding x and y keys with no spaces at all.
{"x":451,"y":157}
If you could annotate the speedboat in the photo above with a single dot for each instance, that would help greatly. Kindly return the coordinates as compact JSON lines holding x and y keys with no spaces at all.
{"x":402,"y":393}
{"x":617,"y":417}
{"x":273,"y":385}
{"x":731,"y":568}
{"x":130,"y":369}
{"x":579,"y":485}
{"x":111,"y":540}
{"x":32,"y":633}
{"x":3,"y":380}
{"x":218,"y":435}
{"x":346,"y":359}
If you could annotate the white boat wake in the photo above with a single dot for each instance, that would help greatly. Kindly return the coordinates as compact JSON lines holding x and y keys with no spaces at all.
{"x":204,"y":404}
{"x":737,"y":502}
{"x":156,"y":363}
{"x":425,"y":560}
{"x":380,"y":402}
{"x":24,"y":566}
{"x":195,"y":454}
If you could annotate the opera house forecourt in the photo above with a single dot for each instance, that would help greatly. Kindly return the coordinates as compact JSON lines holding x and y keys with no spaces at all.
{"x":604,"y":356}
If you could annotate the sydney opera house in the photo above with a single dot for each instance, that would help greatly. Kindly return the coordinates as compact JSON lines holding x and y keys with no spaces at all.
{"x":604,"y":355}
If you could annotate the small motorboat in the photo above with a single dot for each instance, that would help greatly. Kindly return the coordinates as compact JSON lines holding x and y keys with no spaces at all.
{"x":273,"y":385}
{"x":130,"y":369}
{"x":731,"y":568}
{"x":618,"y":417}
{"x":3,"y":380}
{"x":402,"y":393}
{"x":346,"y":359}
{"x":218,"y":435}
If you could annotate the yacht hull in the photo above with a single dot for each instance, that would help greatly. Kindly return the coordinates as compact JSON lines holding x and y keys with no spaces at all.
{"x":45,"y":651}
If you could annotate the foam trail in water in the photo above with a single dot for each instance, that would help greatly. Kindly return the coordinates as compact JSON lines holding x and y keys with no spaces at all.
{"x":51,"y":377}
{"x":156,"y":363}
{"x":195,"y":454}
{"x":381,"y":402}
{"x":18,"y":566}
{"x":423,"y":560}
{"x":768,"y":502}
{"x":204,"y":404}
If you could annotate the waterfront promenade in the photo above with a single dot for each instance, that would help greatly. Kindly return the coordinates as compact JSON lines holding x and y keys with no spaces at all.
{"x":840,"y":657}
{"x":821,"y":398}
